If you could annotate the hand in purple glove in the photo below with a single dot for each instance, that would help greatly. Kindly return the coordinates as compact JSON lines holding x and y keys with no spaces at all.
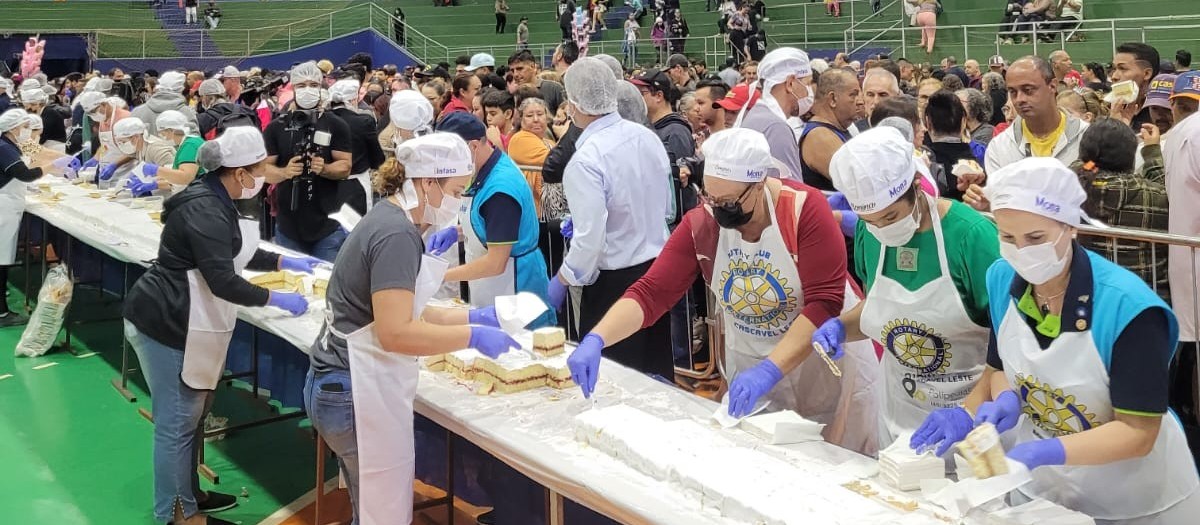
{"x":944,"y":425}
{"x":91,"y":163}
{"x":441,"y":241}
{"x":294,"y":303}
{"x":584,"y":363}
{"x":567,"y":229}
{"x":69,"y":166}
{"x":831,"y":335}
{"x":1040,"y":453}
{"x":485,"y":316}
{"x":557,"y":293}
{"x":108,"y":171}
{"x":149,"y":170}
{"x":847,"y":219}
{"x":838,"y":201}
{"x":491,"y":341}
{"x":1004,"y":412}
{"x":750,"y":385}
{"x":139,"y":187}
{"x":303,"y":264}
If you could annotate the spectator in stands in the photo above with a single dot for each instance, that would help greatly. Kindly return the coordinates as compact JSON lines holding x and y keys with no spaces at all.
{"x":837,"y":102}
{"x":501,"y":15}
{"x":787,"y":90}
{"x":730,"y":74}
{"x":950,"y":67}
{"x":1094,"y":77}
{"x":944,"y":118}
{"x":680,"y":70}
{"x":926,"y":19}
{"x":679,"y":33}
{"x":739,"y":28}
{"x":1008,"y":25}
{"x":523,"y":34}
{"x":531,"y":144}
{"x":974,"y":75}
{"x":167,"y":96}
{"x":1060,"y":62}
{"x":1183,"y":61}
{"x":498,"y":108}
{"x":629,"y":47}
{"x":756,"y":45}
{"x":306,"y":195}
{"x":1136,"y":62}
{"x":437,"y":93}
{"x":840,"y":60}
{"x":833,"y":8}
{"x":878,"y":85}
{"x":399,"y":27}
{"x":1070,"y":15}
{"x":189,"y":11}
{"x":212,"y":15}
{"x":365,"y":153}
{"x":581,"y":30}
{"x":482,"y":65}
{"x":217,"y":112}
{"x":460,"y":64}
{"x":749,"y":72}
{"x":1032,"y":13}
{"x":978,"y":116}
{"x":925,"y":90}
{"x":524,"y":69}
{"x":463,"y":91}
{"x":1040,"y":129}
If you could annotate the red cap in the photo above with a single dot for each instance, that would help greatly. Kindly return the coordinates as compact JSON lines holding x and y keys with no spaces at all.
{"x":736,"y":98}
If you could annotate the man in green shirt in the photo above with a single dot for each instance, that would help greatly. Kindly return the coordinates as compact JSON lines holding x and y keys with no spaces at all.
{"x":173,"y":127}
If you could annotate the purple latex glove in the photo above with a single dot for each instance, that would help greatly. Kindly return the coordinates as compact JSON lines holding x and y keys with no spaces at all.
{"x":91,"y":163}
{"x":1040,"y":453}
{"x":944,"y":425}
{"x":303,"y":264}
{"x":557,"y":293}
{"x":567,"y":228}
{"x":485,"y":316}
{"x":849,"y":219}
{"x":108,"y":171}
{"x":831,"y":335}
{"x":584,"y":363}
{"x":442,"y":240}
{"x":69,"y":166}
{"x":149,"y":170}
{"x":491,"y":341}
{"x":293,"y":303}
{"x":139,"y":187}
{"x":750,"y":385}
{"x":1004,"y":412}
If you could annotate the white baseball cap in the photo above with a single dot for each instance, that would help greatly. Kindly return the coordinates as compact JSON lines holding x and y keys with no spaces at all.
{"x":1039,"y":185}
{"x":479,"y":60}
{"x":231,"y":72}
{"x":781,"y":63}
{"x":874,"y":169}
{"x":438,"y":155}
{"x":241,"y":146}
{"x":12,"y":119}
{"x":410,"y":110}
{"x":171,"y":119}
{"x":171,"y":82}
{"x":343,"y":90}
{"x":739,"y":155}
{"x":129,"y":127}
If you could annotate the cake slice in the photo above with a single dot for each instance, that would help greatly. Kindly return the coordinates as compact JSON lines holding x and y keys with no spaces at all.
{"x":320,"y":286}
{"x":462,"y":363}
{"x":549,"y":341}
{"x":983,"y":452}
{"x":434,"y":363}
{"x":509,"y":378}
{"x":278,"y":281}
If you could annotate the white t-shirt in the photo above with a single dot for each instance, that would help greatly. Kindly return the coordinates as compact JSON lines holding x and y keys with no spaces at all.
{"x":631,"y":30}
{"x":1181,"y":158}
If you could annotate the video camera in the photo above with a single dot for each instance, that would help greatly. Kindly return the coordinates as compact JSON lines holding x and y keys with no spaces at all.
{"x":304,"y":123}
{"x":261,"y":87}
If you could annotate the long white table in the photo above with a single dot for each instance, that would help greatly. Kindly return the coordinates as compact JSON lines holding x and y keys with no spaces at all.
{"x":531,"y":431}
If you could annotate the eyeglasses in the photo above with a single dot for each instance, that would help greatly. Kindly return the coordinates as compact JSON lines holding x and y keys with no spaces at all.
{"x":713,"y":202}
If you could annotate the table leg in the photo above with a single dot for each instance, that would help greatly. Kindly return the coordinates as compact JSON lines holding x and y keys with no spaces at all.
{"x":122,"y":383}
{"x":67,"y":318}
{"x":555,"y":514}
{"x":25,"y":263}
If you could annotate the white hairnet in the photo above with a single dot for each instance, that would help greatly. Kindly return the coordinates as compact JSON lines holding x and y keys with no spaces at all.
{"x":116,"y":102}
{"x":591,"y":87}
{"x":905,"y":127}
{"x":778,"y":65}
{"x":98,"y":84}
{"x":630,"y":104}
{"x":171,"y":119}
{"x":12,"y":119}
{"x":344,"y":90}
{"x":30,"y":83}
{"x":89,"y":100}
{"x":237,"y":147}
{"x":1039,"y":185}
{"x":211,"y":86}
{"x":171,"y":82}
{"x":306,"y":72}
{"x":35,"y":121}
{"x":128,"y":127}
{"x":613,"y":64}
{"x":34,"y":96}
{"x":410,"y":110}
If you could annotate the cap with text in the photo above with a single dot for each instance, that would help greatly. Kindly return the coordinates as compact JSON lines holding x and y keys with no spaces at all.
{"x":874,"y":169}
{"x":1039,"y":185}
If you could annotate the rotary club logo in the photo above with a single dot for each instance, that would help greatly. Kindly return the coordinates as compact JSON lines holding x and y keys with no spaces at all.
{"x":917,"y":346}
{"x":755,"y":294}
{"x":1051,"y":410}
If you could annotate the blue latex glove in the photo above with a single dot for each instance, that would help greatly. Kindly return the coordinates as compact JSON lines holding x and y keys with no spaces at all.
{"x":303,"y":264}
{"x":838,"y":201}
{"x":69,"y":166}
{"x":491,"y":341}
{"x":1004,"y":412}
{"x":108,"y":171}
{"x":749,"y":385}
{"x":442,"y":240}
{"x":149,"y":170}
{"x":557,"y":293}
{"x":831,"y":335}
{"x":294,"y":303}
{"x":485,"y":316}
{"x":584,"y":363}
{"x":848,"y":223}
{"x":91,"y":163}
{"x":140,"y":188}
{"x":567,"y":228}
{"x":945,"y":425}
{"x":1040,"y":453}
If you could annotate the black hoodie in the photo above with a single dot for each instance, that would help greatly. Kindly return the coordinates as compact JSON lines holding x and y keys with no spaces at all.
{"x":200,"y":232}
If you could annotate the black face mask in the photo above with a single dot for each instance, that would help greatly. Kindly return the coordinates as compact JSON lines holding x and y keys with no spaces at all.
{"x":730,"y":215}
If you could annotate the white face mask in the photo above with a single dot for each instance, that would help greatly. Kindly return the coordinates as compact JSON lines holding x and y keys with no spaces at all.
{"x":308,"y":97}
{"x":99,"y":116}
{"x":900,"y":232}
{"x":805,"y":104}
{"x":126,"y":148}
{"x":250,"y":193}
{"x":445,"y":214}
{"x":1037,"y":263}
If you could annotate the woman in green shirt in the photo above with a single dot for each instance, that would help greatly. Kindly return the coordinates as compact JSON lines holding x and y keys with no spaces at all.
{"x":924,"y":262}
{"x":173,"y":127}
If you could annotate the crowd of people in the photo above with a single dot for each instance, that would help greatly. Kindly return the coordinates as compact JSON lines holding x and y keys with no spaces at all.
{"x":827,"y":206}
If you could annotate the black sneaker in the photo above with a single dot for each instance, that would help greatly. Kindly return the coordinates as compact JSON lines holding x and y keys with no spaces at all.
{"x":216,"y":502}
{"x":12,"y":319}
{"x":487,"y":518}
{"x":218,"y":521}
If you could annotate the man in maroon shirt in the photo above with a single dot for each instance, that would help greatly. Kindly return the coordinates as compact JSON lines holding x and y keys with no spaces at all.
{"x":771,"y":253}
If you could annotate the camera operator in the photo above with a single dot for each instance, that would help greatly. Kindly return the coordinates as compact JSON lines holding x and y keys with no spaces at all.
{"x":215,"y":108}
{"x":308,"y":150}
{"x":366,"y":153}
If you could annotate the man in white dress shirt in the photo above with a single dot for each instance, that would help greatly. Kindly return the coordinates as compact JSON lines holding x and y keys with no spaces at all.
{"x":619,"y":204}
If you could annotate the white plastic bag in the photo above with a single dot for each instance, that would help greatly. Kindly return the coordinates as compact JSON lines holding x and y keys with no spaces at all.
{"x":47,"y":318}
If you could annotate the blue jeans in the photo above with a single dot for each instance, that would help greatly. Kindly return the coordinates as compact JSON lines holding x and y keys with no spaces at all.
{"x":332,"y":415}
{"x":325,"y":249}
{"x":178,"y":425}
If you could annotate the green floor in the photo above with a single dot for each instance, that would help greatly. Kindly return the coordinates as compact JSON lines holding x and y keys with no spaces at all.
{"x":74,"y":451}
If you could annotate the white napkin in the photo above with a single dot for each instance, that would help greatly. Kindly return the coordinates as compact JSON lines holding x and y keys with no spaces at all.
{"x":783,"y":428}
{"x":1041,"y":511}
{"x":958,"y":498}
{"x":727,"y":421}
{"x":516,"y":311}
{"x":347,"y":217}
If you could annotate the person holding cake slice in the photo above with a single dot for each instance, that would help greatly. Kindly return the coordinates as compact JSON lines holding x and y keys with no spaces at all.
{"x":761,"y":243}
{"x":922,"y":261}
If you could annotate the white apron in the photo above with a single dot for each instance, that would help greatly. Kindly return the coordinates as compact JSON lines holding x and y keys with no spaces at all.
{"x":759,"y":289}
{"x":12,"y":207}
{"x":211,"y":320}
{"x":934,"y":353}
{"x":383,"y":387}
{"x":364,"y":180}
{"x":1065,"y":389}
{"x":485,"y":291}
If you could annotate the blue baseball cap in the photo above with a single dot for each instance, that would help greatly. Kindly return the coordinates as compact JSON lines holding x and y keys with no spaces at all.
{"x":464,"y":125}
{"x":1187,"y":85}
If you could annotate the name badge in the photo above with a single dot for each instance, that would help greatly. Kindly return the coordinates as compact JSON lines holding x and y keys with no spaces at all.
{"x":906,"y":259}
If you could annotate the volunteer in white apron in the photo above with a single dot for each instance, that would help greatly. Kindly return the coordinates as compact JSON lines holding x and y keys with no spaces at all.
{"x":923,"y":262}
{"x":1078,"y":362}
{"x":15,"y":171}
{"x":180,"y":315}
{"x":173,"y":128}
{"x":365,"y":152}
{"x":762,"y":246}
{"x":498,"y":220}
{"x":363,"y":376}
{"x":142,"y":154}
{"x":105,"y":112}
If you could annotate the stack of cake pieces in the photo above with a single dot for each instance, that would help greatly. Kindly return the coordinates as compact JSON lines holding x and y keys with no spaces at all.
{"x":515,"y":371}
{"x":903,"y":468}
{"x":278,"y":281}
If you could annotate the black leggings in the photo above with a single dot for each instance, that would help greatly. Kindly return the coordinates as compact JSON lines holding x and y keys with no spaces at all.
{"x":3,"y":290}
{"x":501,"y":21}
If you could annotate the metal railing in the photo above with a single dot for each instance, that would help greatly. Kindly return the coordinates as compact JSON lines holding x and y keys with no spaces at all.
{"x":712,"y":48}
